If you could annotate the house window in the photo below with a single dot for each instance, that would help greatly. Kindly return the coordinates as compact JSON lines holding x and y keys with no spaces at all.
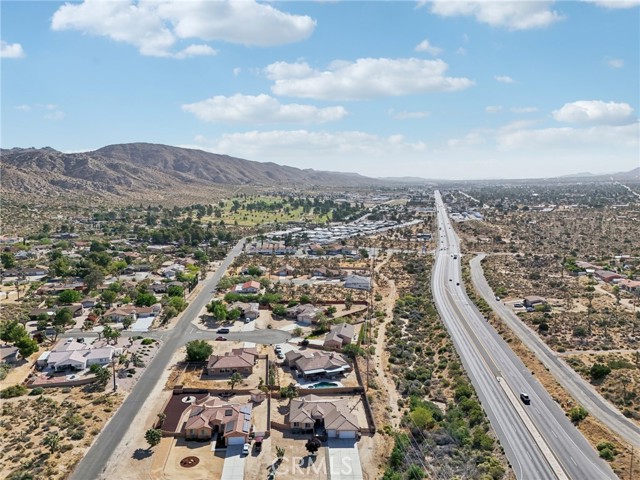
{"x":203,"y":431}
{"x":296,"y":424}
{"x":228,"y":412}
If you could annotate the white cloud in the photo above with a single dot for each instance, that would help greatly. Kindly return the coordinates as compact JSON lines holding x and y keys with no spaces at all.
{"x":260,"y":109}
{"x":155,"y":27}
{"x":403,"y":115}
{"x":195,"y":51}
{"x":54,"y":115}
{"x":580,"y":139}
{"x":524,"y":109}
{"x":364,"y":78}
{"x":461,"y":51}
{"x":49,"y":111}
{"x":615,"y":62}
{"x":513,"y":15}
{"x":595,"y":112}
{"x":345,"y":151}
{"x":503,"y":78}
{"x":615,"y":3}
{"x":237,"y":71}
{"x":470,"y":140}
{"x":425,"y":46}
{"x":493,"y":108}
{"x":11,"y":50}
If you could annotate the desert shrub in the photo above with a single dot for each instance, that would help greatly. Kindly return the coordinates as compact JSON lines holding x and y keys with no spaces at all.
{"x":147,"y":341}
{"x":37,"y":391}
{"x":577,"y":414}
{"x":77,"y":434}
{"x":13,"y":391}
{"x":599,"y":370}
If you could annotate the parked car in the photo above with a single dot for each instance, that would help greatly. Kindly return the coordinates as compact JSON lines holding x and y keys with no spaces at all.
{"x":257,"y":446}
{"x":221,"y":338}
{"x":525,"y":398}
{"x":497,"y":299}
{"x":531,"y":309}
{"x":247,"y":320}
{"x":280,"y":355}
{"x":246,"y":448}
{"x":517,"y":305}
{"x":222,"y":330}
{"x":277,"y":349}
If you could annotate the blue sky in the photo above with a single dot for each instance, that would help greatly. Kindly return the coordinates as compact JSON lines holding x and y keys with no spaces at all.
{"x":444,"y":89}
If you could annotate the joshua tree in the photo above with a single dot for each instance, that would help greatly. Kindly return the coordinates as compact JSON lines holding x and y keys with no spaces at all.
{"x":52,"y":440}
{"x":235,"y":378}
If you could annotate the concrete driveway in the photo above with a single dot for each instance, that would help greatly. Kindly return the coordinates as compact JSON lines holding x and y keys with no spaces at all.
{"x":233,"y":463}
{"x":344,"y":460}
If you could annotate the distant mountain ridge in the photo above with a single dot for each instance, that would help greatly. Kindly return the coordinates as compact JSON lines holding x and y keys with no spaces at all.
{"x":154,"y":171}
{"x":124,"y":169}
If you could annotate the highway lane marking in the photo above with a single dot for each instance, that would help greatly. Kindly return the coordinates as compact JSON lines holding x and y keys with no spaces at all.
{"x":477,"y":342}
{"x":574,"y":462}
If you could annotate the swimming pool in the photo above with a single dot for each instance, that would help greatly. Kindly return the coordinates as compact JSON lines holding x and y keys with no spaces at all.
{"x":324,"y":385}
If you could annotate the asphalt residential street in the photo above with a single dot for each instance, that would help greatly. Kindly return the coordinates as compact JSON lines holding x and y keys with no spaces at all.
{"x":563,"y":373}
{"x":538,"y":439}
{"x":93,"y":464}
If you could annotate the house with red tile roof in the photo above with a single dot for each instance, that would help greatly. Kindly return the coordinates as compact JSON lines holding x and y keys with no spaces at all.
{"x":212,"y":415}
{"x":239,"y":360}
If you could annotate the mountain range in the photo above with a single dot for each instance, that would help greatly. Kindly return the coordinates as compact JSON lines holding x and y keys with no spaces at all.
{"x":134,"y":168}
{"x":145,"y":170}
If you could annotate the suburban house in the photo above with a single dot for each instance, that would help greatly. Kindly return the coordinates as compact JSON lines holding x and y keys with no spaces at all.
{"x":533,"y":300}
{"x":317,"y":364}
{"x":213,"y":416}
{"x":118,"y":314}
{"x":33,"y":314}
{"x":250,"y":287}
{"x":305,"y":313}
{"x":249,"y":310}
{"x":72,"y":355}
{"x":158,"y":288}
{"x":608,"y":276}
{"x":632,"y":286}
{"x":245,"y":270}
{"x":285,"y":271}
{"x":358,"y":282}
{"x":311,"y":412}
{"x":315,"y":249}
{"x":58,"y":288}
{"x":9,"y":354}
{"x":88,"y":302}
{"x":240,"y":360}
{"x":340,"y":335}
{"x":327,"y":273}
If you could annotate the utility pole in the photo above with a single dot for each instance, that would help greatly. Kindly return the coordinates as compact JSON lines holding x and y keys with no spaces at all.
{"x":113,"y":368}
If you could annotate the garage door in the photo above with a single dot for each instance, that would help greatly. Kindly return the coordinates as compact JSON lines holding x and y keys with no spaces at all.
{"x":347,"y":434}
{"x":235,"y":440}
{"x":332,"y":434}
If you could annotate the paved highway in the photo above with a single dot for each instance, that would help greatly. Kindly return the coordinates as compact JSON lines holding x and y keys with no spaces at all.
{"x":563,"y":373}
{"x":538,"y":439}
{"x":94,"y":462}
